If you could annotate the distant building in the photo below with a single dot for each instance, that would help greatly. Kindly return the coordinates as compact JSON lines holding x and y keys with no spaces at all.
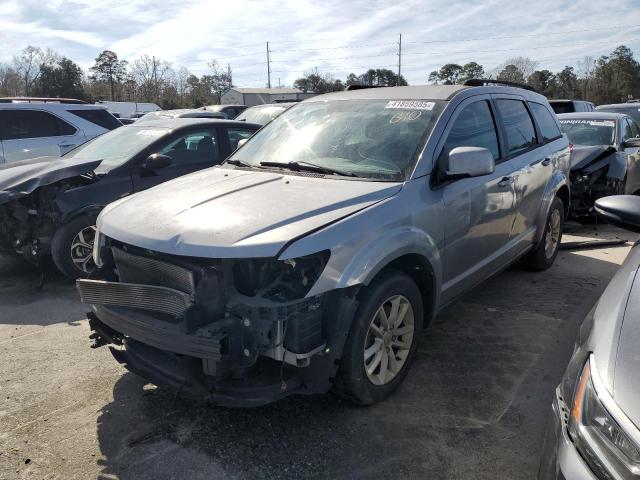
{"x":128,"y":109}
{"x":260,"y":96}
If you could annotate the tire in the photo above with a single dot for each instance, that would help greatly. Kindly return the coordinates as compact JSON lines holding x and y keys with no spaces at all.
{"x":352,"y":381}
{"x":545,"y":252}
{"x":72,"y":233}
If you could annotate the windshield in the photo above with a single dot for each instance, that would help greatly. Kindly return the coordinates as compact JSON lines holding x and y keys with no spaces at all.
{"x":367,"y":138}
{"x":117,"y":146}
{"x":261,"y":115}
{"x":589,"y":132}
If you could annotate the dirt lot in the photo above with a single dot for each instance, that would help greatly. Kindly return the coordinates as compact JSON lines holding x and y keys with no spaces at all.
{"x":472,"y":407}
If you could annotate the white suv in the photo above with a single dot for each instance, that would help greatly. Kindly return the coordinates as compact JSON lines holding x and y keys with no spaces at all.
{"x":31,"y":127}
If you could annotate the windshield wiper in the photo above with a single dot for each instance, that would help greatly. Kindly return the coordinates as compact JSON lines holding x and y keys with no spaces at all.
{"x":239,"y":163}
{"x":309,"y":167}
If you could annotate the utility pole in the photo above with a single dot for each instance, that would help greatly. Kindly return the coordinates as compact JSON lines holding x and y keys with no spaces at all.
{"x":399,"y":59}
{"x":230,"y":75}
{"x":268,"y":68}
{"x":155,"y":78}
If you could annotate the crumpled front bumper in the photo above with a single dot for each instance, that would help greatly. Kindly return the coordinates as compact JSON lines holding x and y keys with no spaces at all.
{"x":560,"y":459}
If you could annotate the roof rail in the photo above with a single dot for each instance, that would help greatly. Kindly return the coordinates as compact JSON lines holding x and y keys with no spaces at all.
{"x":479,"y":82}
{"x":40,"y":100}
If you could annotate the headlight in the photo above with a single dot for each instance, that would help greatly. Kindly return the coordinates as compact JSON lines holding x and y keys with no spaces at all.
{"x":279,"y":280}
{"x":98,"y":245}
{"x":603,"y":443}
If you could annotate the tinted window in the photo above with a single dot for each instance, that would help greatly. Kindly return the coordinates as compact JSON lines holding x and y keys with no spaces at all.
{"x":546,"y":122}
{"x":194,"y":147}
{"x":20,"y":124}
{"x":474,"y":127}
{"x":626,"y":132}
{"x":563,"y":107}
{"x":98,"y":116}
{"x":633,"y":112}
{"x":235,"y":135}
{"x":521,"y":134}
{"x":635,"y":131}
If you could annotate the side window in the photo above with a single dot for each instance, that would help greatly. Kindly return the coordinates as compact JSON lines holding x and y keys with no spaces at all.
{"x":635,"y":130}
{"x":548,"y":126}
{"x":235,"y":135}
{"x":474,"y":127}
{"x":626,"y":133}
{"x":521,"y":134}
{"x":194,"y":147}
{"x":34,"y":124}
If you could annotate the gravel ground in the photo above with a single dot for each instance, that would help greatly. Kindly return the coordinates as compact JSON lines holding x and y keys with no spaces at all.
{"x":473,"y":405}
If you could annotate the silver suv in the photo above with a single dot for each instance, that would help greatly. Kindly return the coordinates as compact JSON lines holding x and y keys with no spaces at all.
{"x":39,"y":127}
{"x":313,"y":258}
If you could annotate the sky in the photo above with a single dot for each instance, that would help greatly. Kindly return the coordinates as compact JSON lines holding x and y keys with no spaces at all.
{"x":337,"y":37}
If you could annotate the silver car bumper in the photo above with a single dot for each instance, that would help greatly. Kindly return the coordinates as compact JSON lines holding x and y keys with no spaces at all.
{"x":560,"y":459}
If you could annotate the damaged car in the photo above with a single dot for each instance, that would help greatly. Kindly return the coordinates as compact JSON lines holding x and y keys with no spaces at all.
{"x":605,"y":157}
{"x":314,"y":256}
{"x":49,"y":205}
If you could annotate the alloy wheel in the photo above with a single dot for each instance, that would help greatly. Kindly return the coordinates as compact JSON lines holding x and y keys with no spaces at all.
{"x":552,"y":238}
{"x":82,"y":249}
{"x":388,"y":340}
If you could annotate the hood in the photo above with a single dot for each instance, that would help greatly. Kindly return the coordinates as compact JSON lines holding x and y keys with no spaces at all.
{"x":226,"y":213}
{"x":582,"y":157}
{"x":626,"y":383}
{"x":21,"y":178}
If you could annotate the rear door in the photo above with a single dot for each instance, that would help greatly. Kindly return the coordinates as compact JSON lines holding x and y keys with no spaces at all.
{"x":36,"y":133}
{"x":532,"y":161}
{"x":191,"y":150}
{"x":478,"y":211}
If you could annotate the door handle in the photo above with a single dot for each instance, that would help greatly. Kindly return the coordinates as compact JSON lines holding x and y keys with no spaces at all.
{"x":65,"y":145}
{"x":546,"y":161}
{"x":505,"y":182}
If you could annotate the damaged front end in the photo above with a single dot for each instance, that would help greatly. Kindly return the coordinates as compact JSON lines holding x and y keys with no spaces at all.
{"x":596,"y":172}
{"x":237,"y":332}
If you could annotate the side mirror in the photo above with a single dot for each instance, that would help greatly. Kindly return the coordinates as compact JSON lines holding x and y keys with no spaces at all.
{"x":156,"y":161}
{"x":242,"y":142}
{"x":632,"y":143}
{"x":620,"y":210}
{"x":467,"y":162}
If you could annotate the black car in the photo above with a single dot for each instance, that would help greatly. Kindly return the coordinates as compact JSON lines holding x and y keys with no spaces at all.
{"x":605,"y":157}
{"x":49,"y":205}
{"x":571,"y":106}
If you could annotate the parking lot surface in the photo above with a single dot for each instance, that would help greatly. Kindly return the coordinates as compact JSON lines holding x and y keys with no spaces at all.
{"x":473,"y":405}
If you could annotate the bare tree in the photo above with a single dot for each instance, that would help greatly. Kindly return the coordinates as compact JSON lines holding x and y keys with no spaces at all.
{"x":28,"y":65}
{"x":524,"y":65}
{"x":151,"y":74}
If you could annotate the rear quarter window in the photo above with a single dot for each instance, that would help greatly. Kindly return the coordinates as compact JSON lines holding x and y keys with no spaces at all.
{"x":547,"y":124}
{"x":99,"y":117}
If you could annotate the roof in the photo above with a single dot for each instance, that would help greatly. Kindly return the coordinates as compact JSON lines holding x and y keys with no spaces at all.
{"x":421,"y":92}
{"x":621,"y":105}
{"x":174,"y":123}
{"x":566,"y":100}
{"x":40,"y":100}
{"x":591,"y":116}
{"x":270,"y":91}
{"x":275,"y":105}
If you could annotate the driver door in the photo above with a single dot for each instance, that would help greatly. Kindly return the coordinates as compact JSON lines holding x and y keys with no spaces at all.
{"x":478,"y":212}
{"x":190,"y":151}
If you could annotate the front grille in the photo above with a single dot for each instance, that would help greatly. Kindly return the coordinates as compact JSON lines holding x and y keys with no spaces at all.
{"x":144,"y":297}
{"x":149,"y":271}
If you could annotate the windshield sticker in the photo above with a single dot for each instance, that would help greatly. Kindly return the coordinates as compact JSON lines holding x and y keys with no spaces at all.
{"x":151,"y":133}
{"x":593,"y":123}
{"x":410,"y":105}
{"x":408,"y":116}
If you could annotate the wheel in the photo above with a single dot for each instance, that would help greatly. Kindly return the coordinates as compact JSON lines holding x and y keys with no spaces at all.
{"x":72,"y":247}
{"x":383,"y":340}
{"x":545,"y":252}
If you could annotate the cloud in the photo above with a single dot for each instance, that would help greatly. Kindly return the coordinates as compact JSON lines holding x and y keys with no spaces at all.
{"x":335,"y":36}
